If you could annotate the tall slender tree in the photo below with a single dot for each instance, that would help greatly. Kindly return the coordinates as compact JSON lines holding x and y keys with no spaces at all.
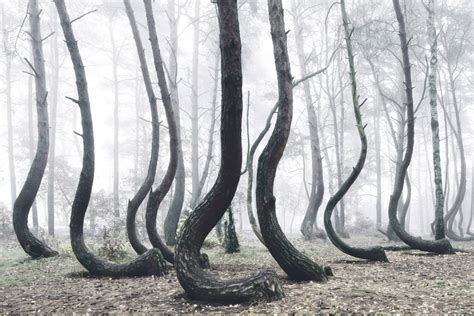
{"x":437,"y":246}
{"x":293,"y":262}
{"x":374,"y":253}
{"x":137,"y":200}
{"x":32,"y":245}
{"x":438,"y":177}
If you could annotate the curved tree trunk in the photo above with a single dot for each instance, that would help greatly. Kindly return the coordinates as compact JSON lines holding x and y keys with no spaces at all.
{"x":197,"y":283}
{"x":174,"y":211}
{"x":294,"y":263}
{"x":145,"y":187}
{"x":157,"y":196}
{"x":31,"y":146}
{"x":374,"y":253}
{"x":250,"y":170}
{"x":438,"y":246}
{"x":33,"y":246}
{"x":150,"y":262}
{"x":317,"y":181}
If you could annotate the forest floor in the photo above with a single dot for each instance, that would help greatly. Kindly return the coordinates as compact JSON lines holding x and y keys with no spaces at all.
{"x":413,"y":282}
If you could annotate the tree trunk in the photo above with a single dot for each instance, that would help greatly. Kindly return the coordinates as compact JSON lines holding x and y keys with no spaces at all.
{"x":31,"y":146}
{"x":157,"y":196}
{"x":296,"y":265}
{"x":52,"y":134}
{"x":195,"y":108}
{"x":197,"y":283}
{"x":438,"y":246}
{"x":174,"y":211}
{"x":33,"y":246}
{"x":317,"y":180}
{"x":438,"y":177}
{"x":150,"y":262}
{"x":8,"y":90}
{"x":374,"y":253}
{"x":116,"y":176}
{"x":459,"y":198}
{"x":378,"y":164}
{"x":137,"y":200}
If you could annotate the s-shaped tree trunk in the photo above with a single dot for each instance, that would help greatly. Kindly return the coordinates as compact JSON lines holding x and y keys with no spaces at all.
{"x":375,"y":253}
{"x":151,"y":262}
{"x":33,"y":246}
{"x":441,"y":246}
{"x":197,"y":283}
{"x":294,"y":263}
{"x":137,"y":200}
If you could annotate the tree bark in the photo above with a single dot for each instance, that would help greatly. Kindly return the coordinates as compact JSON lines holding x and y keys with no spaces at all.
{"x":174,"y":211}
{"x":150,"y":262}
{"x":145,"y":187}
{"x":8,"y":90}
{"x":116,"y":176}
{"x":295,"y":264}
{"x":157,"y":196}
{"x":197,"y":283}
{"x":31,"y":146}
{"x":374,"y":253}
{"x":52,"y":134}
{"x":195,"y":109}
{"x":33,"y":246}
{"x":317,"y":181}
{"x":438,"y":177}
{"x":438,"y":246}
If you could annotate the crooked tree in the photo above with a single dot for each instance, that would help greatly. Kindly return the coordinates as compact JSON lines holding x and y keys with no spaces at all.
{"x":294,"y":263}
{"x":32,"y":245}
{"x":438,"y":246}
{"x":157,"y":195}
{"x":198,"y":283}
{"x":151,"y":262}
{"x":374,"y":253}
{"x":145,"y":187}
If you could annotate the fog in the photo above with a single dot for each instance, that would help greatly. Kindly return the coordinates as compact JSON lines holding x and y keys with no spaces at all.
{"x":107,"y":46}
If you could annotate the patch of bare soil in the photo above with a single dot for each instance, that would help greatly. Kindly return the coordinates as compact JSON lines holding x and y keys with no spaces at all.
{"x":413,"y":282}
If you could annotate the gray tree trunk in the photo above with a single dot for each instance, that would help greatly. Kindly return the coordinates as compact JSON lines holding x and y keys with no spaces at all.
{"x":52,"y":132}
{"x":116,"y":172}
{"x":175,"y":209}
{"x":33,"y":246}
{"x":195,"y":108}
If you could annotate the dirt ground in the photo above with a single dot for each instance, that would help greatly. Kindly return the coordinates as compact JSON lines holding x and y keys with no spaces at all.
{"x":413,"y":282}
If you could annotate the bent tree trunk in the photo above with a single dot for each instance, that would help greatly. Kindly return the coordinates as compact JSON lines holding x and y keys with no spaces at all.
{"x":151,"y":262}
{"x":157,"y":196}
{"x":441,"y":246}
{"x":21,"y":208}
{"x":250,"y":158}
{"x":294,"y":263}
{"x":174,"y":211}
{"x":197,"y":283}
{"x":139,"y":197}
{"x":374,"y":253}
